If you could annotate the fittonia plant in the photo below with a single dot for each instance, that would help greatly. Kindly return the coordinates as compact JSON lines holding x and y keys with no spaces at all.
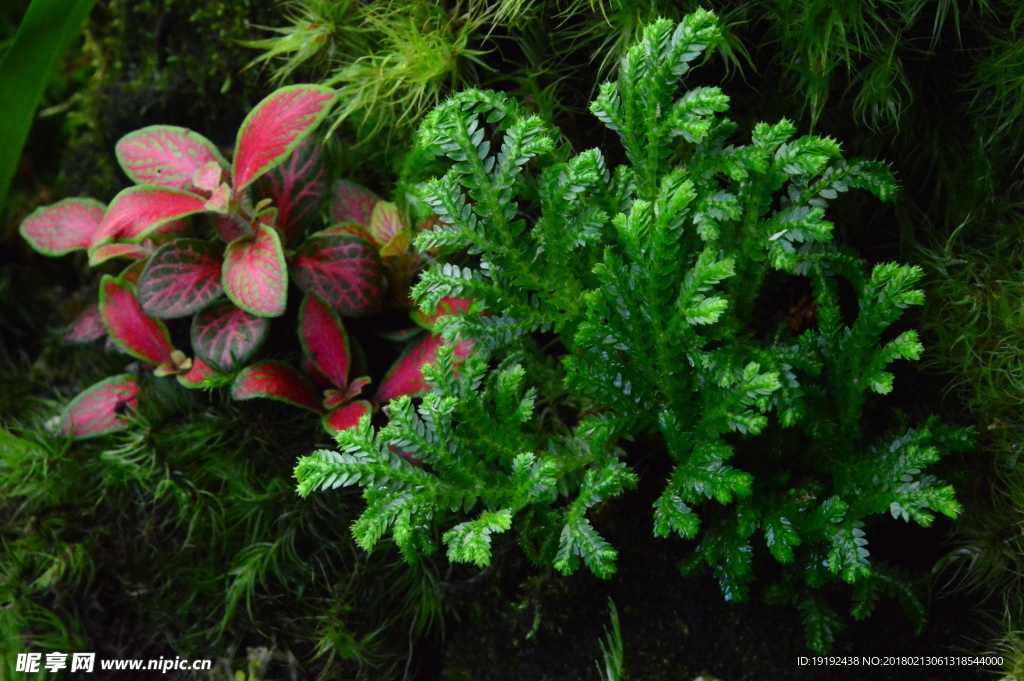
{"x":231,"y":273}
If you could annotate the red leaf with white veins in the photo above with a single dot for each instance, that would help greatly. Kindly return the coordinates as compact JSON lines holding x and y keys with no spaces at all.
{"x":225,"y":336}
{"x":324,"y":340}
{"x":165,"y":156}
{"x":406,"y":375}
{"x":135,"y":333}
{"x":346,"y":416}
{"x":181,"y":278}
{"x":275,"y":381}
{"x":352,"y":203}
{"x":172,"y":229}
{"x":356,"y":386}
{"x":275,"y":127}
{"x":202,"y":375}
{"x":104,"y":252}
{"x":62,"y":227}
{"x":101,"y":408}
{"x":352,"y":228}
{"x":334,"y":398}
{"x":208,"y":178}
{"x":86,"y":327}
{"x":255,"y":276}
{"x":298,"y":187}
{"x":137,"y":212}
{"x":345,"y":270}
{"x":220,"y":201}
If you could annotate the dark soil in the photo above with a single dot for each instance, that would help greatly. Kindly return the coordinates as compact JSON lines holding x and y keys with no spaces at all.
{"x":530,"y":624}
{"x":675,"y":629}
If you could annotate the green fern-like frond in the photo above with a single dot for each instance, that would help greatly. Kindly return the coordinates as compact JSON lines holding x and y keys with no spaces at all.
{"x":613,"y":303}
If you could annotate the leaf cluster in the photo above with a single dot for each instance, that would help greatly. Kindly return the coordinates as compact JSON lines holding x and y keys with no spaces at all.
{"x":649,"y":276}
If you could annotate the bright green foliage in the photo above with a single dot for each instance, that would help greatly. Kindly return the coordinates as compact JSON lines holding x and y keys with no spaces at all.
{"x":44,"y":35}
{"x":390,"y":61}
{"x":651,"y":277}
{"x":976,"y":313}
{"x":611,"y":648}
{"x":469,"y":436}
{"x":186,"y":522}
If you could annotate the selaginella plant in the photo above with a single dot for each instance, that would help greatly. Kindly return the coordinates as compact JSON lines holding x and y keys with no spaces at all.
{"x":609,"y":303}
{"x":231,"y":273}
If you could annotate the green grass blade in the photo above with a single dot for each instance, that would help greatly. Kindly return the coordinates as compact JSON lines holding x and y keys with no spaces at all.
{"x":45,"y":33}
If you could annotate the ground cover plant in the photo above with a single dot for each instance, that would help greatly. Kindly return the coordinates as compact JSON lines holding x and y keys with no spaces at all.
{"x":168,"y":478}
{"x":232,"y":285}
{"x":647,"y":277}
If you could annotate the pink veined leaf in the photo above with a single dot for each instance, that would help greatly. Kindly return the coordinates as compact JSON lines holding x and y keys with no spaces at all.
{"x":62,"y":227}
{"x":165,"y":156}
{"x":334,"y":398}
{"x":356,"y":386}
{"x":319,"y":380}
{"x":276,"y":381}
{"x":324,"y":340}
{"x":104,"y":252}
{"x":101,"y":408}
{"x":387,"y":230}
{"x":131,"y":330}
{"x":255,"y":275}
{"x":406,"y":375}
{"x":86,"y":327}
{"x":350,"y":228}
{"x":359,"y":368}
{"x":137,"y":212}
{"x":344,"y":270}
{"x":346,"y":416}
{"x":352,"y":202}
{"x":208,"y":178}
{"x":171,"y":230}
{"x":181,"y":278}
{"x":298,"y":187}
{"x":202,"y":375}
{"x":220,"y":201}
{"x":225,"y":336}
{"x":267,"y":216}
{"x":275,"y":127}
